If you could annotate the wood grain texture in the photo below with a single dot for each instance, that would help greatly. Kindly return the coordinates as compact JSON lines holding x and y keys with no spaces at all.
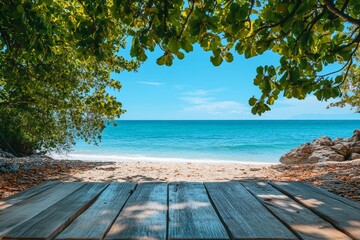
{"x":339,"y":214}
{"x":300,"y":219}
{"x":28,"y":208}
{"x":332,"y":195}
{"x":191,"y":215}
{"x":51,"y":221}
{"x":243,"y":214}
{"x":7,"y":202}
{"x":98,"y":218}
{"x":144,"y":214}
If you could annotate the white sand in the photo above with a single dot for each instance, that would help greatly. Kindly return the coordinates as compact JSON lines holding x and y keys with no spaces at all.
{"x":178,"y":171}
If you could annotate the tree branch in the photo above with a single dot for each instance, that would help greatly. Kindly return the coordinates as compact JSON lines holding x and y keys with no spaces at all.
{"x":331,"y":7}
{"x":309,"y":26}
{"x":186,"y":20}
{"x":344,"y":6}
{"x":165,"y":14}
{"x":282,"y":21}
{"x":348,"y":64}
{"x":356,"y":39}
{"x":92,"y":18}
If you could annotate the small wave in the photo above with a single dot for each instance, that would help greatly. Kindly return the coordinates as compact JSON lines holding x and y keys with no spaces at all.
{"x":142,"y":158}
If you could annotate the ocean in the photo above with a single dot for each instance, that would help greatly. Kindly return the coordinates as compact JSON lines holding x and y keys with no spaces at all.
{"x":246,"y":141}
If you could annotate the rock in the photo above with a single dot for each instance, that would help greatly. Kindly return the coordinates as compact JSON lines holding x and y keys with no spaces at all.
{"x":9,"y":168}
{"x":297,"y":155}
{"x":323,"y":149}
{"x":355,"y":137}
{"x":27,"y":167}
{"x":323,"y":141}
{"x":325,"y":155}
{"x":255,"y":169}
{"x":355,"y":147}
{"x":341,"y":148}
{"x":354,"y":156}
{"x":338,"y":140}
{"x":4,"y":154}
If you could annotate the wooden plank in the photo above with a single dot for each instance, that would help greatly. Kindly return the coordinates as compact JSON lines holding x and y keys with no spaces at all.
{"x":51,"y":221}
{"x":301,"y":220}
{"x":191,"y":215}
{"x":332,"y":195}
{"x":7,"y":202}
{"x":244,"y":216}
{"x":97,"y":219}
{"x":339,"y":214}
{"x":28,"y":208}
{"x":144,"y":214}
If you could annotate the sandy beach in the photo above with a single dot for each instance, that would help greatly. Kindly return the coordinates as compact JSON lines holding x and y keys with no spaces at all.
{"x":339,"y":177}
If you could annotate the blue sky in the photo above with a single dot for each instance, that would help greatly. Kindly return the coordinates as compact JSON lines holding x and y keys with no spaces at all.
{"x":193,"y":88}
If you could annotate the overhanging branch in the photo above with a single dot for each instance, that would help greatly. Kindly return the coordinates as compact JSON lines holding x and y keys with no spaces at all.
{"x":331,"y":7}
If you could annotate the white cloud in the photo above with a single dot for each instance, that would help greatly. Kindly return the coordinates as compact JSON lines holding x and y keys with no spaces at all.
{"x":199,"y":102}
{"x":202,"y":92}
{"x":217,"y":108}
{"x":151,"y":83}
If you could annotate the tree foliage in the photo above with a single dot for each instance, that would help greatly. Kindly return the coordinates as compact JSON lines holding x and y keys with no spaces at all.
{"x":308,"y":35}
{"x":55,"y":63}
{"x":56,"y":56}
{"x":350,"y":91}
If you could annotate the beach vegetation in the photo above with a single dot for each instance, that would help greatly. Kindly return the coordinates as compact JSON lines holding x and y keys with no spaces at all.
{"x":56,"y":58}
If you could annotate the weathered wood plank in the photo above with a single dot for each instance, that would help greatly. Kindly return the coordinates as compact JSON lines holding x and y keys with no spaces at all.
{"x":339,"y":214}
{"x":244,"y":216}
{"x":28,"y":208}
{"x":332,"y":195}
{"x":144,"y":214}
{"x":97,"y":219}
{"x":300,"y":219}
{"x":191,"y":214}
{"x":51,"y":221}
{"x":7,"y":202}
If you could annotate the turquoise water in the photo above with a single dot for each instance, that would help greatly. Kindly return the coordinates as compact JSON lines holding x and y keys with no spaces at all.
{"x":245,"y":141}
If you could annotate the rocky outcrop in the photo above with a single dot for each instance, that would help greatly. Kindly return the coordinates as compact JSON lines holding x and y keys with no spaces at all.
{"x":323,"y":149}
{"x":4,"y":154}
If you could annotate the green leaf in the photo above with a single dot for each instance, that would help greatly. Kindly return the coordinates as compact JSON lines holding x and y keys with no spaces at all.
{"x":249,"y":52}
{"x":228,"y":57}
{"x":338,"y":79}
{"x":216,"y":60}
{"x":259,"y":70}
{"x":174,"y":45}
{"x":20,"y":9}
{"x":186,"y":45}
{"x":291,"y":7}
{"x":252,"y":101}
{"x":180,"y":55}
{"x":161,"y":60}
{"x":270,"y":101}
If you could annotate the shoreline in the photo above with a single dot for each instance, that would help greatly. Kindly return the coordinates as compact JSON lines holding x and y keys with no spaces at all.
{"x":140,"y":158}
{"x":342,"y":178}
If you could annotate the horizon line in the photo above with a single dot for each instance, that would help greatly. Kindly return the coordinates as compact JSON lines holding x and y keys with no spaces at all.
{"x":237,"y":120}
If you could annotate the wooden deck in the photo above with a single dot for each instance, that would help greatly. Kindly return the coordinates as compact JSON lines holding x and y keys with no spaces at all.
{"x":185,"y":210}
